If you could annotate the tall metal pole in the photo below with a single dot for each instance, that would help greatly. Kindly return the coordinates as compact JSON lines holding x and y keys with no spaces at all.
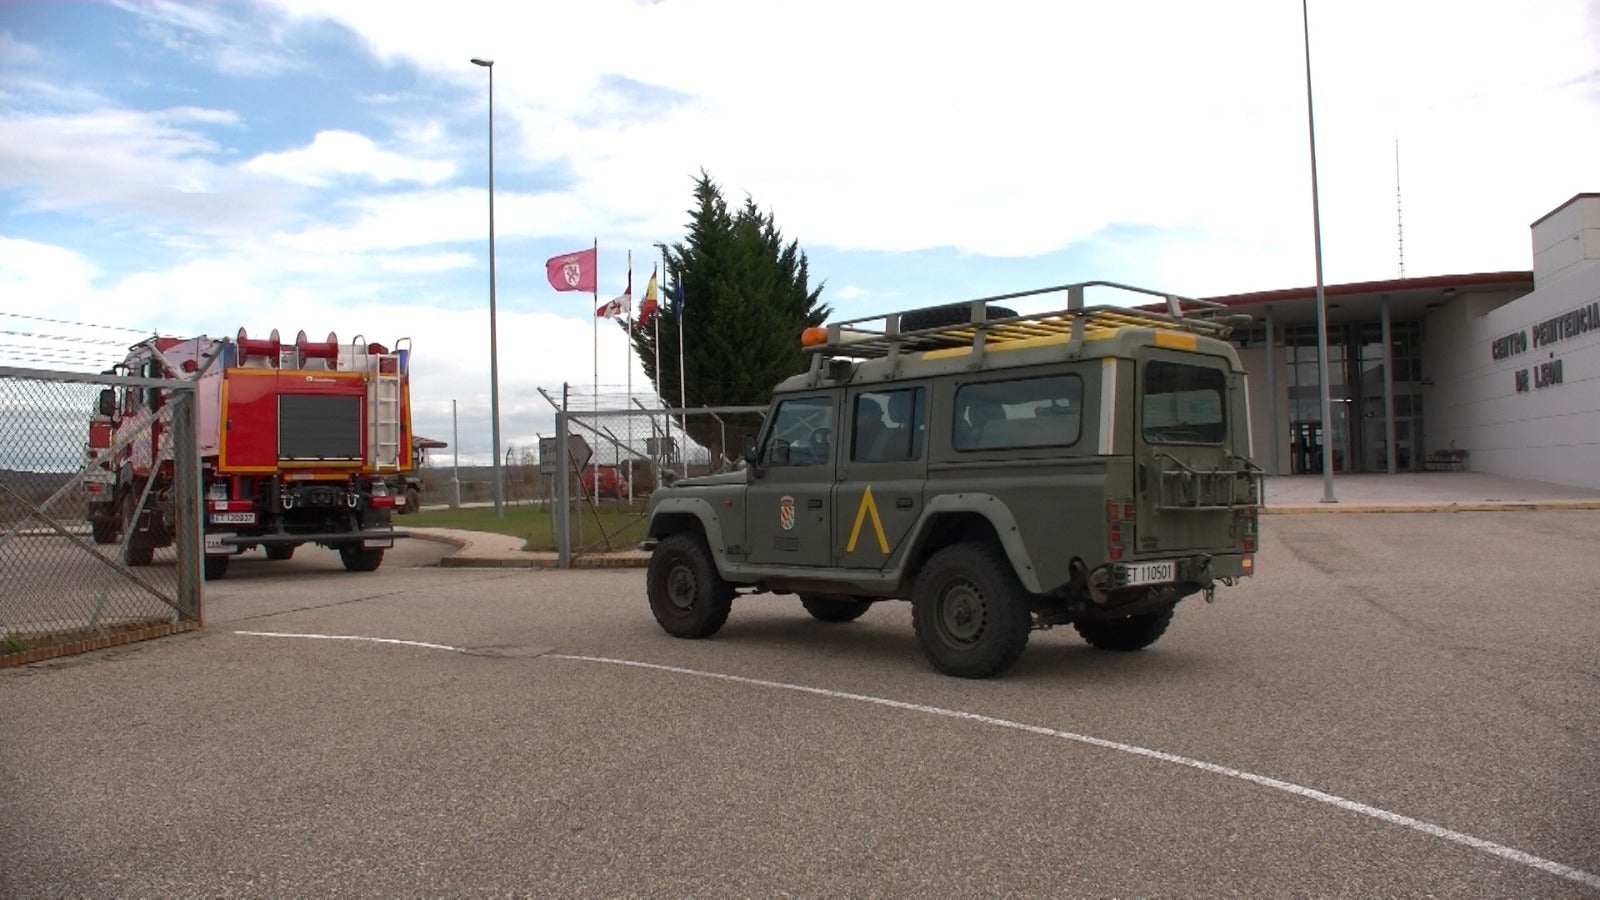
{"x":1322,"y":304}
{"x":494,"y":342}
{"x":455,"y":475}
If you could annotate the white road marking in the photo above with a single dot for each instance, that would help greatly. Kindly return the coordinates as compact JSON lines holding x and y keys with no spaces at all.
{"x":1511,"y":854}
{"x":1508,"y":853}
{"x":353,"y":637}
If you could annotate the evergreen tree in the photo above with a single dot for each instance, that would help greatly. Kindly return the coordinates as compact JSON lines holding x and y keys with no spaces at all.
{"x":744,"y":297}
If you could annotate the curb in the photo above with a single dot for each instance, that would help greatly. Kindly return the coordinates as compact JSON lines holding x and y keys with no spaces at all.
{"x":1485,"y":506}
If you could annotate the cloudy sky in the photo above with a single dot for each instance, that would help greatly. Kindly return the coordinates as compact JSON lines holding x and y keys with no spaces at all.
{"x":194,"y":167}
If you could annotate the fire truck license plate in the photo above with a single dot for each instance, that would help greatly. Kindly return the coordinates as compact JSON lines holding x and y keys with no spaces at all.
{"x":1152,"y":572}
{"x":233,"y":518}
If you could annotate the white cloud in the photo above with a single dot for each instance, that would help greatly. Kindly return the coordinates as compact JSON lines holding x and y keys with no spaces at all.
{"x":335,"y":154}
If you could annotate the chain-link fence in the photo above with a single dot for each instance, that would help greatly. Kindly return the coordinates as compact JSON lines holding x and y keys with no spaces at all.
{"x":616,"y":449}
{"x":99,"y":519}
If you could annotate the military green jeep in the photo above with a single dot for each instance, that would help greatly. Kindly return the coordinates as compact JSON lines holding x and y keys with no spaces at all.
{"x":1002,"y":472}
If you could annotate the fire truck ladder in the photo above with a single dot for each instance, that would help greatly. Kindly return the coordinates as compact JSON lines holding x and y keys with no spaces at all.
{"x":383,"y":409}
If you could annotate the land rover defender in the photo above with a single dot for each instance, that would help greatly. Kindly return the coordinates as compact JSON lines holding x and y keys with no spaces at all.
{"x":1087,"y":466}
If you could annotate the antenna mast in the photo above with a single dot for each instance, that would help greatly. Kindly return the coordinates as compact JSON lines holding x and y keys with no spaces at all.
{"x":1399,"y":216}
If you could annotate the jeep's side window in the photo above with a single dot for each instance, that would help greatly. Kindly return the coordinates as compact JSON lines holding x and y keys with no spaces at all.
{"x":1026,"y":412}
{"x":889,"y":425}
{"x":801,"y":434}
{"x":1182,"y":404}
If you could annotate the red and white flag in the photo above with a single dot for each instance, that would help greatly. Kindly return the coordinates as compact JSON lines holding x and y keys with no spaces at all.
{"x":621,"y":306}
{"x":572,"y":271}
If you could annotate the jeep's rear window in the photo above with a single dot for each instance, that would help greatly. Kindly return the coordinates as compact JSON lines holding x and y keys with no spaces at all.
{"x":1182,"y":404}
{"x":1026,"y":412}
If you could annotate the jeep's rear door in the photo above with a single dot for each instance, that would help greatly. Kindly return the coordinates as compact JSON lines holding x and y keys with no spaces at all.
{"x":1186,"y":452}
{"x":788,"y":517}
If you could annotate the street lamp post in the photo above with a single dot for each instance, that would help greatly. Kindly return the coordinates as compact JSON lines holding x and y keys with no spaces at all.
{"x":1322,"y":300}
{"x":494,"y":342}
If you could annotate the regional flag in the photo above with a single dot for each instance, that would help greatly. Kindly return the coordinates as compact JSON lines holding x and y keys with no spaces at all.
{"x":647,"y":308}
{"x":572,"y":271}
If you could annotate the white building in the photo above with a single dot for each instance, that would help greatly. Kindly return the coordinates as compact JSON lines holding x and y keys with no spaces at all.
{"x":1494,"y":372}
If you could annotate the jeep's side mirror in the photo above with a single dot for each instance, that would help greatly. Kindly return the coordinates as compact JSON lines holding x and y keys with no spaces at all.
{"x":749,"y":450}
{"x":108,"y":402}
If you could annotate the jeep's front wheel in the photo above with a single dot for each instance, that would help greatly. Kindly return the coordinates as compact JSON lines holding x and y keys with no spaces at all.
{"x":834,"y":608}
{"x":687,"y":596}
{"x":1126,"y":634}
{"x":969,"y":611}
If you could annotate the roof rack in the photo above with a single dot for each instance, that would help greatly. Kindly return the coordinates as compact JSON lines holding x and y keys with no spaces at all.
{"x":856,"y":338}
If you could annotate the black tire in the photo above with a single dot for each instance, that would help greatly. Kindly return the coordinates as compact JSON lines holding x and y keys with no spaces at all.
{"x":105,"y":532}
{"x":280,"y":551}
{"x":1126,"y":634}
{"x":948,"y":314}
{"x":970,"y":611}
{"x":139,"y":550}
{"x":216,"y":567}
{"x":834,"y":608}
{"x":687,"y":596}
{"x":361,"y":559}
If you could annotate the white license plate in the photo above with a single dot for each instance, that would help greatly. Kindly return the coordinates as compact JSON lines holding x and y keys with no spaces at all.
{"x":377,"y":543}
{"x":234,"y":518}
{"x":1152,"y":572}
{"x":214,"y":543}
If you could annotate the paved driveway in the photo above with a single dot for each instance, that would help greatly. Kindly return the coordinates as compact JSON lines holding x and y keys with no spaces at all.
{"x":1397,"y":705}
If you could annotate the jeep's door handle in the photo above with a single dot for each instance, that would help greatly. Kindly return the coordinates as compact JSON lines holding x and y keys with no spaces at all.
{"x":814,"y":503}
{"x":902,"y":503}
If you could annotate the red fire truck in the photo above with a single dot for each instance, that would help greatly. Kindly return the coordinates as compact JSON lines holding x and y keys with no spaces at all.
{"x":297,"y":444}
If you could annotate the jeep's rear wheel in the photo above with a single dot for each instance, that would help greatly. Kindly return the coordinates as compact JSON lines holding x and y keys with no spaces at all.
{"x":834,"y":608}
{"x":1131,"y":633}
{"x":969,"y":612}
{"x":687,"y":596}
{"x":361,"y":559}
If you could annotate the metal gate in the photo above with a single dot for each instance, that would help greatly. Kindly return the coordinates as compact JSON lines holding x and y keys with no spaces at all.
{"x":625,"y":453}
{"x":69,"y":583}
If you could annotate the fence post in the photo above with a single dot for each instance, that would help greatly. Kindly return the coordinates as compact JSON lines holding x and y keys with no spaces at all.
{"x":186,"y":502}
{"x":563,"y":491}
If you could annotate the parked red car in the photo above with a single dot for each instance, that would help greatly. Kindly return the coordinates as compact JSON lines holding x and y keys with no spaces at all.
{"x":612,"y":483}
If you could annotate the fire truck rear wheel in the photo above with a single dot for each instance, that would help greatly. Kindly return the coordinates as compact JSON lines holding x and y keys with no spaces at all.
{"x":138,"y":551}
{"x":216,"y":567}
{"x":104,"y":532}
{"x":361,"y":559}
{"x":279,"y":551}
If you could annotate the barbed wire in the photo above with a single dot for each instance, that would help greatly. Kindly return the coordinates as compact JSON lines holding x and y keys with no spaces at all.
{"x":17,"y":315}
{"x":64,"y":337}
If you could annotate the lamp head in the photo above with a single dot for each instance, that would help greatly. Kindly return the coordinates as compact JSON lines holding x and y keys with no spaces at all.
{"x":486,"y":63}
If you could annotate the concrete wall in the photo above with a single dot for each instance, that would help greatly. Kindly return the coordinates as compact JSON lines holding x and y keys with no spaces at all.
{"x":1271,"y":449}
{"x":1518,"y":385}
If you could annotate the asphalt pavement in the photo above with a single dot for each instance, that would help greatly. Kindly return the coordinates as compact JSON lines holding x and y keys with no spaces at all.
{"x":1398,"y":704}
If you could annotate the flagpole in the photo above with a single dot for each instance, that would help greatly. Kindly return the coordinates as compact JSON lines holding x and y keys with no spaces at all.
{"x":683,"y":390}
{"x":596,"y":298}
{"x":628,"y":400}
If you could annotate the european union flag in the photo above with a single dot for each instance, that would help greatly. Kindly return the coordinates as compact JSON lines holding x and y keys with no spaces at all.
{"x":679,"y":297}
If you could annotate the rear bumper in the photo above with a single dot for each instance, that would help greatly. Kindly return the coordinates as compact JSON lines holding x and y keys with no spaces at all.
{"x":1200,"y":569}
{"x":229,"y":543}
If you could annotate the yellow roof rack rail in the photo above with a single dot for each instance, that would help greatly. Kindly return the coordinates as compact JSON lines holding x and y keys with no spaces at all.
{"x":986,"y":324}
